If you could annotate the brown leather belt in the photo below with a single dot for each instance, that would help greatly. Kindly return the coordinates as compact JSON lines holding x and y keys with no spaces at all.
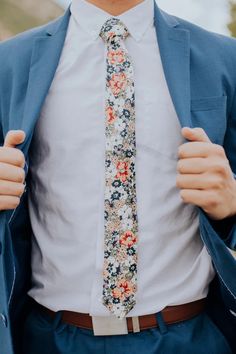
{"x":170,"y":315}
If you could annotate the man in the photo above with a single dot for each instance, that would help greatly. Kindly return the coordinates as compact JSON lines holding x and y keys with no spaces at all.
{"x":122,"y":120}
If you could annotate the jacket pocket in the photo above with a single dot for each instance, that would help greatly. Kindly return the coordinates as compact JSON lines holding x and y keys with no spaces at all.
{"x":210,"y":114}
{"x":209,"y":103}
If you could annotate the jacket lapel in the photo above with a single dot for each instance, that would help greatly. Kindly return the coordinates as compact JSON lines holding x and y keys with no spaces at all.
{"x":174,"y":45}
{"x":44,"y":61}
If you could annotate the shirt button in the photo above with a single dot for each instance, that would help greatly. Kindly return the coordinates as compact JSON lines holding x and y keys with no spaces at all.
{"x":3,"y":318}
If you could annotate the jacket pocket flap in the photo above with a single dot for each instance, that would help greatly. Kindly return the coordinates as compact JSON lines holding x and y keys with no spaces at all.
{"x":209,"y":103}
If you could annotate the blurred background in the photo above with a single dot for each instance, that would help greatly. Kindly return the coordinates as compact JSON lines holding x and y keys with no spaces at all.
{"x":216,"y":15}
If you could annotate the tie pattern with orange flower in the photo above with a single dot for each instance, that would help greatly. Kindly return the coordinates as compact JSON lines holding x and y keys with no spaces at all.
{"x":120,"y":219}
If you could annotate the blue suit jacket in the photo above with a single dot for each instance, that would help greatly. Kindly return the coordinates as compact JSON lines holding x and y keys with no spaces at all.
{"x":200,"y":69}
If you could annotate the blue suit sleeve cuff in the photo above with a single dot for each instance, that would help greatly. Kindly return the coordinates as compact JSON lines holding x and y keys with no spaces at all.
{"x":226,"y":228}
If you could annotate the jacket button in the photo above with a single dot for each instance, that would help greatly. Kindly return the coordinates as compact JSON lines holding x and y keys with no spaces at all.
{"x":3,"y":319}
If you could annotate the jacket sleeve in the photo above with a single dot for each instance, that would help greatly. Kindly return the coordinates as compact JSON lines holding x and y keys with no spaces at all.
{"x":226,"y":228}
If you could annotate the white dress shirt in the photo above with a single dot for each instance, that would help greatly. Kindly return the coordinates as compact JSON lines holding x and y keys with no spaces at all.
{"x":66,"y":194}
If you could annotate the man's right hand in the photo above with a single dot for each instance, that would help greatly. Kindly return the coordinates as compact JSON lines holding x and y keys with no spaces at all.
{"x":12,"y":174}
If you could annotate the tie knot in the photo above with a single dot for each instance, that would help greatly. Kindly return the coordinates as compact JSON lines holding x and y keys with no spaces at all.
{"x":113,"y":30}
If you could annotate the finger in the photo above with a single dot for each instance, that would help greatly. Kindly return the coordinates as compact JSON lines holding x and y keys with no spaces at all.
{"x":12,"y":156}
{"x":192,"y":165}
{"x":195,"y":134}
{"x":195,"y":197}
{"x":11,"y":188}
{"x":8,"y":202}
{"x":14,"y":137}
{"x":191,"y":181}
{"x":11,"y":173}
{"x":194,"y":149}
{"x":199,"y":149}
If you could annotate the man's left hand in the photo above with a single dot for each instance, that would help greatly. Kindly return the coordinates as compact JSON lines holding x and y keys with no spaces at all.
{"x":204,"y":175}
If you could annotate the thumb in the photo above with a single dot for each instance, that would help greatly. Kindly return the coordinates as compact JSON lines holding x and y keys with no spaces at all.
{"x":13,"y":138}
{"x":195,"y":134}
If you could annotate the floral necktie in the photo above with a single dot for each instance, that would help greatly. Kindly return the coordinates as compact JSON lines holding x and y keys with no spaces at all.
{"x":121,"y":224}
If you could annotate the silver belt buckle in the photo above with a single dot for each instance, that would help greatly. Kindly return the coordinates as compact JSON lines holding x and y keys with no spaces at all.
{"x":109,"y":326}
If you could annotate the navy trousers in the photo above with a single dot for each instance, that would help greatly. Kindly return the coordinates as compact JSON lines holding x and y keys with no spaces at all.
{"x":43,"y":335}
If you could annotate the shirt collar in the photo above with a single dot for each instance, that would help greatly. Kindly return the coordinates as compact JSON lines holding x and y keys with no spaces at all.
{"x":91,"y":18}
